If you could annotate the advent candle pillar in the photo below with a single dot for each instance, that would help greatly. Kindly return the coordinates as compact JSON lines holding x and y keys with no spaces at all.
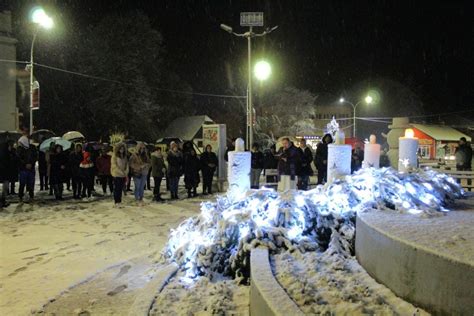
{"x":371,"y":154}
{"x":407,"y":151}
{"x":339,"y":158}
{"x":238,"y":172}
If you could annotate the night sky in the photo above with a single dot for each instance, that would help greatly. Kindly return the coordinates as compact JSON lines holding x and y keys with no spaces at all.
{"x":330,"y":48}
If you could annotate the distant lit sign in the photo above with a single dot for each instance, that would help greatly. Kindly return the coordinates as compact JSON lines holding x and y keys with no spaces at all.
{"x":251,"y":18}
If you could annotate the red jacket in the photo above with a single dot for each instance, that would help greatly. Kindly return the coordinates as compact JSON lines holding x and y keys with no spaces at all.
{"x":103,"y":165}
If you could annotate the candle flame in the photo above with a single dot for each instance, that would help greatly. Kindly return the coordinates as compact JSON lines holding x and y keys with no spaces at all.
{"x":409,"y":133}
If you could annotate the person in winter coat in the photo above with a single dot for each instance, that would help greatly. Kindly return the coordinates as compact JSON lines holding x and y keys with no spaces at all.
{"x":119,"y":168}
{"x":87,"y":174}
{"x":43,"y":171}
{"x":357,"y":158}
{"x":7,"y":169}
{"x":305,"y":171}
{"x":231,"y":147}
{"x":175,"y":168}
{"x":15,"y":171}
{"x":158,"y":169}
{"x":58,"y":172}
{"x":209,"y":163}
{"x":139,"y":165}
{"x":103,"y":164}
{"x":48,"y":155}
{"x":192,"y":165}
{"x":256,"y":165}
{"x":27,"y":156}
{"x":75,"y":159}
{"x":463,"y":155}
{"x":270,"y":162}
{"x":289,"y":159}
{"x":321,"y":159}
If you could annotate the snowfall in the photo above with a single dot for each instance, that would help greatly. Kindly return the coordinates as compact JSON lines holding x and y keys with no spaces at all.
{"x":88,"y":258}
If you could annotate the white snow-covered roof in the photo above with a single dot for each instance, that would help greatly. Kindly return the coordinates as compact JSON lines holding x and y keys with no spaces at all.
{"x":441,"y":132}
{"x":186,"y":127}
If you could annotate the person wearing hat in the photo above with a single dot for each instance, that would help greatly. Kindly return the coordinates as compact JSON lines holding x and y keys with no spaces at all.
{"x":175,"y":168}
{"x":27,"y":157}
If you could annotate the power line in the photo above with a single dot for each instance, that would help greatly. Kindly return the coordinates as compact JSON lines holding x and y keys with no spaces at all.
{"x":126,"y":83}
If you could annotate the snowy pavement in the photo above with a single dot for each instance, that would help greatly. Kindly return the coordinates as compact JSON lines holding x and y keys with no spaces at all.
{"x":50,"y":246}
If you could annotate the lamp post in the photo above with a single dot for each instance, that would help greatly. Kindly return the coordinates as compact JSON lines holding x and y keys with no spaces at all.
{"x":368,"y":99}
{"x":41,"y":19}
{"x":249,"y":19}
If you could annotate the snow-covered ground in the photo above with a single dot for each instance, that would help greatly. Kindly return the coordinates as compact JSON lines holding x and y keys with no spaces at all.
{"x":450,"y":235}
{"x":48,"y":246}
{"x":330,"y":284}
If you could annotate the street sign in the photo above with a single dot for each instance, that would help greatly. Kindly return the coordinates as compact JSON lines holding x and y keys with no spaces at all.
{"x":35,"y":104}
{"x":251,"y":18}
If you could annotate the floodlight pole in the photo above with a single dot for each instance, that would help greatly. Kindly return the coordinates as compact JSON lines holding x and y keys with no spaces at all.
{"x":249,"y":35}
{"x":31,"y":79}
{"x":249,"y":140}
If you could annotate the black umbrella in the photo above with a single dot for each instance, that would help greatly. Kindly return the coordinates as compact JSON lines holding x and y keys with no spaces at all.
{"x":41,"y":135}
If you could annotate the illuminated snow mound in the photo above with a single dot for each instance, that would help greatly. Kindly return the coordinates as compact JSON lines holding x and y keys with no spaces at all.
{"x":221,"y":237}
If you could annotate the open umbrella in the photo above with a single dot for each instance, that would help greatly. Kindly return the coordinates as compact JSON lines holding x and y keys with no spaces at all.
{"x":41,"y":135}
{"x":73,"y":135}
{"x":93,"y":146}
{"x":56,"y":140}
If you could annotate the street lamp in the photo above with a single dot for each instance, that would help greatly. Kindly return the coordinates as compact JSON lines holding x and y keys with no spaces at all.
{"x":368,"y":99}
{"x":262,"y":70}
{"x":250,"y":19}
{"x":42,"y":20}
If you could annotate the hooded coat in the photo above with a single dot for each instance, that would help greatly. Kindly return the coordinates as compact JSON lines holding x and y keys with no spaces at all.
{"x":322,"y":152}
{"x":58,"y":171}
{"x":27,"y":154}
{"x":175,"y":164}
{"x":140,"y":163}
{"x":119,"y":166}
{"x":192,"y":165}
{"x":158,"y":166}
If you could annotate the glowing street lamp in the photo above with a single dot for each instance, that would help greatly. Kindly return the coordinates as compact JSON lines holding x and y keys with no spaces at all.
{"x":42,"y":20}
{"x":262,"y":70}
{"x":368,"y":100}
{"x":251,"y":20}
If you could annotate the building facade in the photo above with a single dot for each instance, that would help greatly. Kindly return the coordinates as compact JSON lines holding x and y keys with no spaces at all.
{"x":437,"y":141}
{"x":8,"y":109}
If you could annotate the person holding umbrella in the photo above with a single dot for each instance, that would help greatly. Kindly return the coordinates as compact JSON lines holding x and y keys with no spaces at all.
{"x":27,"y":157}
{"x":58,"y":171}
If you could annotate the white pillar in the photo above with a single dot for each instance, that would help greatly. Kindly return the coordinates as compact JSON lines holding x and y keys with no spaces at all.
{"x":339,"y":158}
{"x":371,"y":154}
{"x":407,"y":152}
{"x":238,"y":173}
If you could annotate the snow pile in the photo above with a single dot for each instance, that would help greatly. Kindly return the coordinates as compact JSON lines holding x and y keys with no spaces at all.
{"x":221,"y":237}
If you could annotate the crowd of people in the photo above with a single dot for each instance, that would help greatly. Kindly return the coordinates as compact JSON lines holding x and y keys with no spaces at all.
{"x":297,"y":162}
{"x":80,"y":167}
